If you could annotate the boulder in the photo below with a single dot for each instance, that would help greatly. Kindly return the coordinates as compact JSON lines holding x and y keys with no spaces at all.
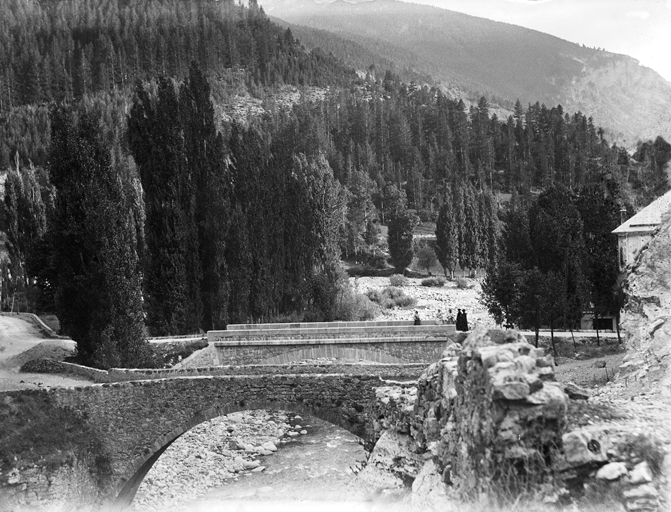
{"x":576,"y":392}
{"x":611,"y":471}
{"x":641,"y":474}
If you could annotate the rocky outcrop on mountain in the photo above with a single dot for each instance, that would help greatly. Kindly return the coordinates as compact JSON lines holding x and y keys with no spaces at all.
{"x":632,"y":102}
{"x":472,"y":56}
{"x":647,"y":317}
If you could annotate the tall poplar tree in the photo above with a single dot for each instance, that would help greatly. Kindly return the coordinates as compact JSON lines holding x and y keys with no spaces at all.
{"x":94,"y":245}
{"x":447,"y":242}
{"x":172,"y":266}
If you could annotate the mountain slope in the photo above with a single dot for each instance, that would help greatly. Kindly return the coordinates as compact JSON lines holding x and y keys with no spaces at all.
{"x":500,"y":60}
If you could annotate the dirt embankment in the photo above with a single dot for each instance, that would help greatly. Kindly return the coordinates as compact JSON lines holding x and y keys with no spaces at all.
{"x":20,"y":342}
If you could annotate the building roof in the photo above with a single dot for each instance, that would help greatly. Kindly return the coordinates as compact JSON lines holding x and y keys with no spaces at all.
{"x":648,"y":219}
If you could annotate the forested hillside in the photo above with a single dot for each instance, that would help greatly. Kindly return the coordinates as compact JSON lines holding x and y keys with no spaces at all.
{"x":133,"y":206}
{"x":501,"y":61}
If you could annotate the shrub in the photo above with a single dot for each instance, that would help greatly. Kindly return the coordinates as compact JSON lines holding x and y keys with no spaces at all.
{"x":398,"y":280}
{"x":391,"y":297}
{"x":463,"y":283}
{"x":378,"y":261}
{"x":353,"y":306}
{"x":434,"y":281}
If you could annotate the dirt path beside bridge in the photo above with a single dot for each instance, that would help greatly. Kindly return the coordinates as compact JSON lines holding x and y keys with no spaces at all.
{"x":20,"y":342}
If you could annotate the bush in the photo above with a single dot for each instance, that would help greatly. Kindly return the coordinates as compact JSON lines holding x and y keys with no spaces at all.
{"x":391,"y":297}
{"x":434,"y":281}
{"x":463,"y":283}
{"x":356,"y":307}
{"x":398,"y":280}
{"x":378,"y":261}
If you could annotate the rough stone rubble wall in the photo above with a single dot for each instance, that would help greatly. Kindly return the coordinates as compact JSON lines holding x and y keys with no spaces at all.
{"x":490,"y":417}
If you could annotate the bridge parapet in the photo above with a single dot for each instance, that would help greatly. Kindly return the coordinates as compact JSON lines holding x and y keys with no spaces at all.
{"x":318,"y":325}
{"x":379,"y":342}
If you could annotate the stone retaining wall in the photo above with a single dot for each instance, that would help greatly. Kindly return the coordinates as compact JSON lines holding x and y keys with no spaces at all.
{"x":390,"y":351}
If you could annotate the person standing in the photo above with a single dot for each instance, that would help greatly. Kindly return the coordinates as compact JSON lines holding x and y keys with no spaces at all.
{"x":464,"y":321}
{"x":459,"y":320}
{"x":417,"y":320}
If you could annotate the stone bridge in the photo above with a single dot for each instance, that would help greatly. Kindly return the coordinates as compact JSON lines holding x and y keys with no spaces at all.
{"x":137,"y":421}
{"x":392,"y":342}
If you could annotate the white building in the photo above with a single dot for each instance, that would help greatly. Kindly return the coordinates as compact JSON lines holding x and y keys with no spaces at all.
{"x":637,"y":231}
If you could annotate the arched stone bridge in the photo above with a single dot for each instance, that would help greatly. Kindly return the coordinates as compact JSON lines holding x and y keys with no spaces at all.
{"x":136,"y":421}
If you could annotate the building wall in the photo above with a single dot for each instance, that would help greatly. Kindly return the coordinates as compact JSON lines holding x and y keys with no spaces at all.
{"x":629,"y":245}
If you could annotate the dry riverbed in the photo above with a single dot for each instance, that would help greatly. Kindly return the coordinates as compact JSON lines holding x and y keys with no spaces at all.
{"x":430,"y":300}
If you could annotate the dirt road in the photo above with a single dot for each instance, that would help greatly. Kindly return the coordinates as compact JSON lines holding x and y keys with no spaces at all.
{"x":21,"y":341}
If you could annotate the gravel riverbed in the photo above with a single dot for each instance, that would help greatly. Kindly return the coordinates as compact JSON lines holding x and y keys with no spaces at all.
{"x":430,"y":300}
{"x":254,"y":456}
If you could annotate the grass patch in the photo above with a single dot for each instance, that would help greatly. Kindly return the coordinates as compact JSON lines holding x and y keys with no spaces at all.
{"x":169,"y":354}
{"x":52,"y":321}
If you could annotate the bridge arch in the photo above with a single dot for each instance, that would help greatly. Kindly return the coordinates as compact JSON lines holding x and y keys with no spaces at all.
{"x":138,"y":469}
{"x":328,"y":351}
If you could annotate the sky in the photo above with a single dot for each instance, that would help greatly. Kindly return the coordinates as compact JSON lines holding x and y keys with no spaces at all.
{"x":638,"y":28}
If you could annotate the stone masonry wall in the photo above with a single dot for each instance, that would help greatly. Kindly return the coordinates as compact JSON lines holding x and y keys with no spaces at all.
{"x":383,"y":352}
{"x":386,"y":371}
{"x":70,"y":485}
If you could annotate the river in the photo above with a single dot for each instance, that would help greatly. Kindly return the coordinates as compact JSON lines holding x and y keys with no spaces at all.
{"x":313,"y":471}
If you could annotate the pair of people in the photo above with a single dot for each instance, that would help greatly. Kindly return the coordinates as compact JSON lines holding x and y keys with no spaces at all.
{"x":462,"y":320}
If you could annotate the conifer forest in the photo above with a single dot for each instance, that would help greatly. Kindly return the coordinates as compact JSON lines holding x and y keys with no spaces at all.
{"x":135,"y":205}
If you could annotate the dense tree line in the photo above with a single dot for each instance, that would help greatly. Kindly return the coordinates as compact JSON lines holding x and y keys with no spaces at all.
{"x":63,"y":49}
{"x":558,"y":259}
{"x":467,"y":229}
